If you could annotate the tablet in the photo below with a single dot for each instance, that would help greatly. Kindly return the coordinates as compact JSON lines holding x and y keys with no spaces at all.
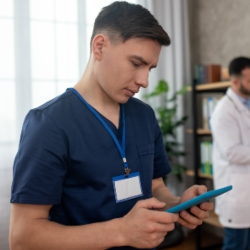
{"x":199,"y":199}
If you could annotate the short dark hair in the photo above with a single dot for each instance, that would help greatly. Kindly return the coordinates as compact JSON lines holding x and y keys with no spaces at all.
{"x":238,"y":64}
{"x":122,"y":20}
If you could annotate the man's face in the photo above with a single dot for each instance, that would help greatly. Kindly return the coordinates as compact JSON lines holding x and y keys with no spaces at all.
{"x":244,"y":82}
{"x":124,"y":67}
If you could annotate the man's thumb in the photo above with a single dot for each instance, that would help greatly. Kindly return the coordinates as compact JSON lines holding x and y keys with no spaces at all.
{"x":153,"y":203}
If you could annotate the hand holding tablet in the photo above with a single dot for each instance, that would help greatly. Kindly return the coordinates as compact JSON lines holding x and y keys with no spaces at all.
{"x":199,"y":199}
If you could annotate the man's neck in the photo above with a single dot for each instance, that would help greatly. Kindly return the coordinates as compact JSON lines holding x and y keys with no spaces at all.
{"x":91,"y":91}
{"x":238,"y":92}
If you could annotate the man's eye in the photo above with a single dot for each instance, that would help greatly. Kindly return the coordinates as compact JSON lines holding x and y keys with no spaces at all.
{"x":135,"y":64}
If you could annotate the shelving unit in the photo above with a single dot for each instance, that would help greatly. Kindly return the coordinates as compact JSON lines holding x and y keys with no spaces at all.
{"x":197,"y":133}
{"x":201,"y":175}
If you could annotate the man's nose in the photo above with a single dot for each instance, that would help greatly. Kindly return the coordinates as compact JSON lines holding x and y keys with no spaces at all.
{"x":142,"y":78}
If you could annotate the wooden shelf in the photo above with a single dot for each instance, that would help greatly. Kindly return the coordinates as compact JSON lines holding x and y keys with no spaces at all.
{"x":191,"y":173}
{"x":199,"y":131}
{"x":211,"y":86}
{"x":202,"y":131}
{"x":215,"y":85}
{"x":213,"y":220}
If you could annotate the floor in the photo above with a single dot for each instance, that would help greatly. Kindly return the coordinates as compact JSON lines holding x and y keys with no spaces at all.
{"x":208,"y":240}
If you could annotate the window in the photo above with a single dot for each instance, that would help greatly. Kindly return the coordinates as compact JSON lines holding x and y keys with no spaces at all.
{"x":54,"y":47}
{"x":7,"y":73}
{"x":44,"y":48}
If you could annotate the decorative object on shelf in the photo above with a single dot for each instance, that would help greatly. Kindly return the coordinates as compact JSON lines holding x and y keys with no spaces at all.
{"x":166,"y":115}
{"x":225,"y":74}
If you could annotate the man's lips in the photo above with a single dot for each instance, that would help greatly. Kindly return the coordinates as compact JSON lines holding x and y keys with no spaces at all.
{"x":132,"y":92}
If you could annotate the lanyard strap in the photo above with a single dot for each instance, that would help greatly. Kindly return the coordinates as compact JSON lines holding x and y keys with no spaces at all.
{"x":120,"y":148}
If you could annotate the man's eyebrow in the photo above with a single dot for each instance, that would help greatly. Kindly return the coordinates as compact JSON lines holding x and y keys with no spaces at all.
{"x":143,"y":61}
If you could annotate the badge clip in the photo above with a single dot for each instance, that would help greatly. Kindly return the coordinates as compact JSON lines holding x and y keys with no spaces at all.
{"x":127,"y":171}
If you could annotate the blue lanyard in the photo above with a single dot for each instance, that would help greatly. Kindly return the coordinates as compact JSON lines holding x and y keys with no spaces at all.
{"x":120,"y":148}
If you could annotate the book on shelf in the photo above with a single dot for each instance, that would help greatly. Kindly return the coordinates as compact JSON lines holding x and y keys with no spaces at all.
{"x":211,"y":157}
{"x":208,"y":105}
{"x":213,"y":73}
{"x":212,"y":101}
{"x":206,"y":148}
{"x":205,"y":112}
{"x":200,"y":71}
{"x":207,"y":73}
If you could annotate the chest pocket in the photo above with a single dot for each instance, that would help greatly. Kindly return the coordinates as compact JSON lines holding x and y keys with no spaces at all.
{"x":146,"y":156}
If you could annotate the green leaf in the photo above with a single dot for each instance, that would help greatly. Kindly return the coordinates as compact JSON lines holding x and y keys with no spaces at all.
{"x":161,"y":87}
{"x":183,"y":90}
{"x":181,"y":122}
{"x":178,"y":170}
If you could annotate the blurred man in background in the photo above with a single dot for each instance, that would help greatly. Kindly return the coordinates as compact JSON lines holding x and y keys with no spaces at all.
{"x":230,"y":124}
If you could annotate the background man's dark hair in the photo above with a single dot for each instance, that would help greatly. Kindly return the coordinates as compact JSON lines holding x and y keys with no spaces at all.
{"x":237,"y":65}
{"x":121,"y":21}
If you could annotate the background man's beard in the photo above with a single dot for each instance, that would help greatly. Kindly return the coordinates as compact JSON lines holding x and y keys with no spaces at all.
{"x":243,"y":90}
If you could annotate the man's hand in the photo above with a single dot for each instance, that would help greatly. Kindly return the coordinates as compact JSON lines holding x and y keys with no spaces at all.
{"x":196,"y":214}
{"x":144,"y":226}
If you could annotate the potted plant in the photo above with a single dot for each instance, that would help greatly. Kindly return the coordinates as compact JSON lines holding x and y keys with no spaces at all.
{"x":168,"y":122}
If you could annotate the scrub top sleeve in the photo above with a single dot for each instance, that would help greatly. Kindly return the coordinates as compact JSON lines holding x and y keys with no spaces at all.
{"x":40,"y":164}
{"x":161,"y":163}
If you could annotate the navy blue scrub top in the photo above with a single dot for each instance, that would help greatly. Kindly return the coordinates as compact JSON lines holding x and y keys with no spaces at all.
{"x":66,"y":158}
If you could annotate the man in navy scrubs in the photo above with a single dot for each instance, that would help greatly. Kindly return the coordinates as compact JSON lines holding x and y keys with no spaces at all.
{"x":88,"y":172}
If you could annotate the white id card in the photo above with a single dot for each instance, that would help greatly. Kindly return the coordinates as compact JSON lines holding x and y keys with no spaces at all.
{"x":127,"y":188}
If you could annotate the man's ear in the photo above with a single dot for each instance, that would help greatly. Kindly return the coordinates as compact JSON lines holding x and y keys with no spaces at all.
{"x":235,"y":80}
{"x":98,"y":44}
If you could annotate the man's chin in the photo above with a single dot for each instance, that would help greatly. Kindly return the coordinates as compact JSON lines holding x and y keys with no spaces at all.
{"x":124,"y":100}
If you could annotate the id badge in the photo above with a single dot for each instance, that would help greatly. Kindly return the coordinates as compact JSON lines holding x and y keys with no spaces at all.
{"x":127,"y":188}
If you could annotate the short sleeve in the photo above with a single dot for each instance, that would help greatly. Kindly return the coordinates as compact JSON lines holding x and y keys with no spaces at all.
{"x":41,"y":161}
